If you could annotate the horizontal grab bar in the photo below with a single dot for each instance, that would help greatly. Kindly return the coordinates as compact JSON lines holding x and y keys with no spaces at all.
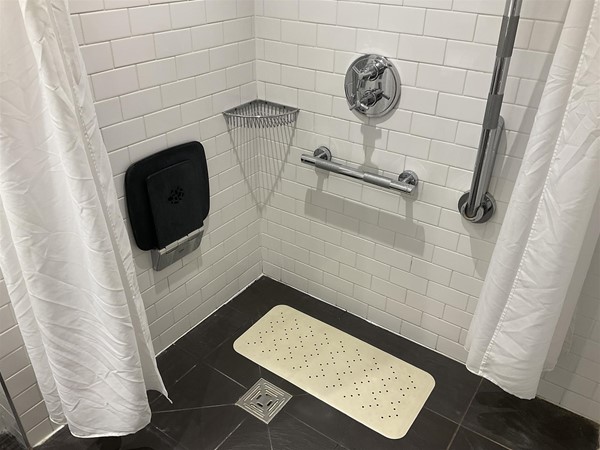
{"x":407,"y":181}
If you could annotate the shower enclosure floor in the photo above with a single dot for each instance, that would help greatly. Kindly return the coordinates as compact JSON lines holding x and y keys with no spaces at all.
{"x":205,"y":377}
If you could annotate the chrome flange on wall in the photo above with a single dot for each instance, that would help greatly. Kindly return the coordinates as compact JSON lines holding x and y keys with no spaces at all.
{"x":483,"y":212}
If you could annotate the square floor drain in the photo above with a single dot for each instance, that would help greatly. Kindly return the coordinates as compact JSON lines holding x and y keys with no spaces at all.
{"x":264,"y":400}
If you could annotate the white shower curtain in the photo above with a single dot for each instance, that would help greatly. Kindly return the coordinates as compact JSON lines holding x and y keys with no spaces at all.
{"x":64,"y":250}
{"x":519,"y":323}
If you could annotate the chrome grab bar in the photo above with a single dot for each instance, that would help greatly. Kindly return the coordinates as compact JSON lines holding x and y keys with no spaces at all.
{"x":477,"y":204}
{"x":321,"y":158}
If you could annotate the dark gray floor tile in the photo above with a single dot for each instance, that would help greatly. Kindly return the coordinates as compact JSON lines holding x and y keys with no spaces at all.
{"x":252,"y":434}
{"x":226,"y":360}
{"x":528,"y":424}
{"x":63,"y":439}
{"x":266,"y":293}
{"x":9,"y":442}
{"x":212,"y":332}
{"x":202,"y":386}
{"x":468,"y":440}
{"x":200,"y":429}
{"x":287,"y":433}
{"x":173,"y":364}
{"x":259,"y":298}
{"x":316,"y":308}
{"x":203,"y":370}
{"x":429,"y":431}
{"x":150,"y":438}
{"x":194,"y":348}
{"x":281,"y":383}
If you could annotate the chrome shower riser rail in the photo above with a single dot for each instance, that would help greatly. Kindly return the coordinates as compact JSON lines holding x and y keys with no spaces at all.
{"x":321,"y":158}
{"x":477,"y":205}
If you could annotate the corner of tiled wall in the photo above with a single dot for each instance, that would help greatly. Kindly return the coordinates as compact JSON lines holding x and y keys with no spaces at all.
{"x":408,"y":264}
{"x":162,"y":72}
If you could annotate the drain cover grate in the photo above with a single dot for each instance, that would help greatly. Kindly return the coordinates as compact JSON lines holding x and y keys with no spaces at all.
{"x":264,"y":400}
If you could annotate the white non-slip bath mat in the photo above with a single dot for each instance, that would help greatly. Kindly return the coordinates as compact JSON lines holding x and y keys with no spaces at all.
{"x":373,"y":387}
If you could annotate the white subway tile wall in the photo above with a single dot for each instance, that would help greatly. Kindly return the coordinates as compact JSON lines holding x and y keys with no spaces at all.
{"x":575,"y":383}
{"x":163,"y":71}
{"x":408,"y":264}
{"x":399,"y":247}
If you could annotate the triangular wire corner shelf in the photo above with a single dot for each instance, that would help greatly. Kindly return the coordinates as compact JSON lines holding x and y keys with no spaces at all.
{"x":260,"y":114}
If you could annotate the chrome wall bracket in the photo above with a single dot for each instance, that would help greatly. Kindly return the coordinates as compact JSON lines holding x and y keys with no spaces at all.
{"x":483,"y":213}
{"x":164,"y":257}
{"x":321,"y":158}
{"x":322,"y":153}
{"x":372,"y":85}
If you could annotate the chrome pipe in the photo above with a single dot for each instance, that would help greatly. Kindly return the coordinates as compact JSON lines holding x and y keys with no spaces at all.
{"x":407,"y":181}
{"x":477,"y":205}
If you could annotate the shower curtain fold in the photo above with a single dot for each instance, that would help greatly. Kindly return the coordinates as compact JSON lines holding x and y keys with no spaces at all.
{"x":521,"y":316}
{"x":64,"y":250}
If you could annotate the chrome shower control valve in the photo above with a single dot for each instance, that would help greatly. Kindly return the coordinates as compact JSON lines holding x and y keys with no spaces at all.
{"x":369,"y":99}
{"x":373,"y":70}
{"x":372,"y":85}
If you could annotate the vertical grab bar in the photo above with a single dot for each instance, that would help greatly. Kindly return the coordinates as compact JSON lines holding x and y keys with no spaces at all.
{"x":477,"y":205}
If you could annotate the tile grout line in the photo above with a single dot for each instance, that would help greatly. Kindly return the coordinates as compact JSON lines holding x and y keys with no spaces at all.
{"x":269,"y":436}
{"x":194,"y":408}
{"x":185,"y":373}
{"x":229,"y":435}
{"x":227,"y":376}
{"x":207,"y":364}
{"x":459,"y":422}
{"x":487,"y":438}
{"x":165,"y":434}
{"x":203,"y":360}
{"x":314,"y":429}
{"x":439,"y":414}
{"x":464,"y":415}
